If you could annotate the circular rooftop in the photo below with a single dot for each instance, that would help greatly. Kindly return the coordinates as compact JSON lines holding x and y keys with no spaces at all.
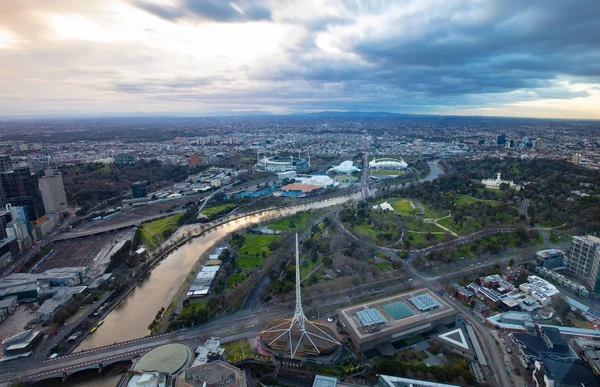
{"x":168,"y":358}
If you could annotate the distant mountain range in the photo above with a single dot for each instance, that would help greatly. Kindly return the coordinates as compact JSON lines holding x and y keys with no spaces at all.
{"x":359,"y":114}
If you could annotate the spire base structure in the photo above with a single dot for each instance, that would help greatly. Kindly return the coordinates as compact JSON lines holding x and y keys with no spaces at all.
{"x":300,"y":329}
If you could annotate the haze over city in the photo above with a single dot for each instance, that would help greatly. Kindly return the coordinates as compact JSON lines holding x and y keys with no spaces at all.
{"x":213,"y":57}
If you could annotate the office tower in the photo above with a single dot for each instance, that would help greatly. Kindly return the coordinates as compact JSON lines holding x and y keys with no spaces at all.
{"x":5,"y":163}
{"x":584,"y":261}
{"x":53,"y":193}
{"x":539,"y":143}
{"x":21,"y":189}
{"x":501,"y":139}
{"x":139,"y":190}
{"x":576,"y":159}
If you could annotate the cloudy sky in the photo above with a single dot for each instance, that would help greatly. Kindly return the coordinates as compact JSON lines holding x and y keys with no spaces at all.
{"x":488,"y":57}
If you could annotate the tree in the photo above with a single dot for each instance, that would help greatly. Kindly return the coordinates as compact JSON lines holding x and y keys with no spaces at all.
{"x":511,"y":262}
{"x":561,"y":307}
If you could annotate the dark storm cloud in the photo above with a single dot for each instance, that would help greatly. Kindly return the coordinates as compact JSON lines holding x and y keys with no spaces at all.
{"x":217,"y":10}
{"x":517,"y":45}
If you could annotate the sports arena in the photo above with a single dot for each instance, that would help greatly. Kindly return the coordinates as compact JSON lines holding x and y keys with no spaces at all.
{"x":388,"y":163}
{"x":283,"y":163}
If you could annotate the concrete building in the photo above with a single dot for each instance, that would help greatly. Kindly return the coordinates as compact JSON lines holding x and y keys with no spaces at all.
{"x":550,"y":259}
{"x":584,"y":261}
{"x":540,"y":289}
{"x":53,"y":194}
{"x":346,"y":167}
{"x":378,"y":324}
{"x":214,"y":374}
{"x":497,"y":182}
{"x":7,"y":307}
{"x":210,"y":351}
{"x":20,"y":345}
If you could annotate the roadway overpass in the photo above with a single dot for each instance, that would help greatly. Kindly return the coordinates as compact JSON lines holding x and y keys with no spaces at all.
{"x":112,"y":227}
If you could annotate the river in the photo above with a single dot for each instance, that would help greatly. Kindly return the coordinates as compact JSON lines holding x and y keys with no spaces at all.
{"x":130,"y":319}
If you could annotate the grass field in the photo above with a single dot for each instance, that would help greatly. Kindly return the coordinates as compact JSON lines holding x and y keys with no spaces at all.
{"x":463,"y":200}
{"x":152,"y":233}
{"x":216,"y":210}
{"x":238,"y":350}
{"x":391,"y":172}
{"x":254,"y":250}
{"x":383,"y":266}
{"x":402,"y":205}
{"x":366,"y":229}
{"x":306,"y":267}
{"x":234,"y":279}
{"x":299,"y":221}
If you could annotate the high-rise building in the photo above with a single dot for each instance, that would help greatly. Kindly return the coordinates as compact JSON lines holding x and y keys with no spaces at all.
{"x":139,"y":190}
{"x":539,"y":143}
{"x":576,"y":159}
{"x":501,"y":139}
{"x":53,"y":193}
{"x":5,"y":163}
{"x":21,"y":189}
{"x":584,"y":261}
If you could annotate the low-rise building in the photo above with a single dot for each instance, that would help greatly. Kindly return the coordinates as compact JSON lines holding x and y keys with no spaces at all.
{"x":377,"y":324}
{"x":550,"y":258}
{"x":213,"y":374}
{"x":7,"y":307}
{"x":20,"y":345}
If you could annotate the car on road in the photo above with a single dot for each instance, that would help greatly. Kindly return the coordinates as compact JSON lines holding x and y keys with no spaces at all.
{"x":329,"y":319}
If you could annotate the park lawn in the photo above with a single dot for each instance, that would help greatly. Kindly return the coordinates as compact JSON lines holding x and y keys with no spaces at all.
{"x":235,"y":279}
{"x":299,"y":221}
{"x":383,"y":266}
{"x":254,"y":250}
{"x":152,"y":233}
{"x":306,"y":267}
{"x":256,"y":244}
{"x":367,"y":230}
{"x":468,"y":226}
{"x":216,"y":210}
{"x":415,"y":224}
{"x":402,"y":205}
{"x":238,"y":350}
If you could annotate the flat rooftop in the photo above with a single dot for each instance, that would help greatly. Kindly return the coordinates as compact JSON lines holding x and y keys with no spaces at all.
{"x":394,"y":313}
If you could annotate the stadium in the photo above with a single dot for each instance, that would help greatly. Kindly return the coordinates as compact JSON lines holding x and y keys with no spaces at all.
{"x":381,"y":323}
{"x":283,"y":163}
{"x":388,"y":164}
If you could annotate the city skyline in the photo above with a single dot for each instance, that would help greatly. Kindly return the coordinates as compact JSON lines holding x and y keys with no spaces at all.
{"x":184,"y":57}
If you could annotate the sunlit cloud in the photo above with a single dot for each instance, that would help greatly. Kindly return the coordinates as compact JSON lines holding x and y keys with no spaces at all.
{"x":499,"y":57}
{"x":7,"y":39}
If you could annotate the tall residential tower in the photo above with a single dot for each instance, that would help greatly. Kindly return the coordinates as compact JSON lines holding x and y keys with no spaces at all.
{"x":584,"y":261}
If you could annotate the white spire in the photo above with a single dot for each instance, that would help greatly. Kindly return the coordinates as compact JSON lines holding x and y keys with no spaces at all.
{"x":300,"y":320}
